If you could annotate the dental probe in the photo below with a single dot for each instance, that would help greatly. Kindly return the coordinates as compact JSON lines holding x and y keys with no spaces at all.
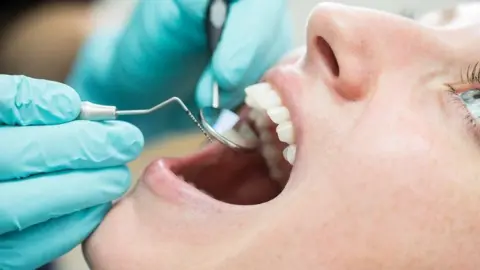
{"x":97,"y":112}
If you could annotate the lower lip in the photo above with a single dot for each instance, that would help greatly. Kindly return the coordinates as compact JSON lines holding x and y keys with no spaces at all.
{"x":159,"y":178}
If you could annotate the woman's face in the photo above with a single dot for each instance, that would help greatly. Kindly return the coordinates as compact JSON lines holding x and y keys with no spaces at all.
{"x":386,"y":173}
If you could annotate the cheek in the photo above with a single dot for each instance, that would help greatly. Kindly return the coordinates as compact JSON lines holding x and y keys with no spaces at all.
{"x":390,"y":156}
{"x":396,"y":188}
{"x":406,"y":166}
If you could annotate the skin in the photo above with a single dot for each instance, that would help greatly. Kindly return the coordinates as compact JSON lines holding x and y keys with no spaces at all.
{"x":386,"y":172}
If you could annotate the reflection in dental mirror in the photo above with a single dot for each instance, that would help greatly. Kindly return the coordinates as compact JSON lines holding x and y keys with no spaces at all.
{"x":228,"y":128}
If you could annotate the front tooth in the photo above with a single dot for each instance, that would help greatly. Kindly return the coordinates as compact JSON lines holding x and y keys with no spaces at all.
{"x":289,"y":153}
{"x":285,"y":132}
{"x":279,"y":114}
{"x":270,"y":100}
{"x":263,"y":95}
{"x":259,"y":87}
{"x":251,"y":102}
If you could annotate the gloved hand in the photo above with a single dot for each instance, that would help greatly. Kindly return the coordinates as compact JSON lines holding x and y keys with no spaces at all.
{"x":57,"y":176}
{"x":162,"y":52}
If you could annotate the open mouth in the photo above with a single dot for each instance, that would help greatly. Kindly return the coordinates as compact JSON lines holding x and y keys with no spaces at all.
{"x":239,"y":177}
{"x":244,"y":178}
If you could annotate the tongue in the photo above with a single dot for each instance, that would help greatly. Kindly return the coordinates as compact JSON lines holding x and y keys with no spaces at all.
{"x":227,"y":175}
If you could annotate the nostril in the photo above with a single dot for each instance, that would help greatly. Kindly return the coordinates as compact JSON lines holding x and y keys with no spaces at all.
{"x":328,"y":55}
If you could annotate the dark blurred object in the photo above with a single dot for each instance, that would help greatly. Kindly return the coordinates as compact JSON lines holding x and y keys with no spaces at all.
{"x":12,"y":9}
{"x":47,"y":267}
{"x":19,"y":5}
{"x":41,"y":38}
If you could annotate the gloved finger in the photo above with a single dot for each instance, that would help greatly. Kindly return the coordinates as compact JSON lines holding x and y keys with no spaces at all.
{"x":42,"y":243}
{"x":204,"y":93}
{"x":74,"y":145}
{"x":255,"y":37}
{"x":47,"y":196}
{"x":206,"y":83}
{"x":26,"y":101}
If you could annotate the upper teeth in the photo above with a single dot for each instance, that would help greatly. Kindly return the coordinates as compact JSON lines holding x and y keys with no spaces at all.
{"x":285,"y":132}
{"x":289,"y":153}
{"x":279,"y":114}
{"x":263,"y":98}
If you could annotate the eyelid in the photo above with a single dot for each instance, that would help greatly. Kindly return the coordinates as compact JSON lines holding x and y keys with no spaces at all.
{"x":459,"y":90}
{"x":469,"y":80}
{"x":463,"y":87}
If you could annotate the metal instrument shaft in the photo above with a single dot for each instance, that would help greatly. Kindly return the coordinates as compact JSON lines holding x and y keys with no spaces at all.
{"x":96,"y":112}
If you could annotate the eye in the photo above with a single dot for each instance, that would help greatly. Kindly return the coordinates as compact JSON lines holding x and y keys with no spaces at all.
{"x":470,"y":96}
{"x":468,"y":91}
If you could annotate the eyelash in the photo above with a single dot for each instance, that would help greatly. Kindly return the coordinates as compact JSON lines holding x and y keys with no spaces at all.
{"x":472,"y":76}
{"x":470,"y":80}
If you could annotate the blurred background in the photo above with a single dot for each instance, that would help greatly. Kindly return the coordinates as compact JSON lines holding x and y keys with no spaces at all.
{"x":40,"y":38}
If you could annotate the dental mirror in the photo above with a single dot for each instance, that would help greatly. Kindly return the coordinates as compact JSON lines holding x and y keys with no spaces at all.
{"x":222,"y":124}
{"x":227,"y":127}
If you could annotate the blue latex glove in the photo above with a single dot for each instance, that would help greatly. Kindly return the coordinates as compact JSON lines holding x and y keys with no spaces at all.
{"x":162,"y":52}
{"x":57,"y":176}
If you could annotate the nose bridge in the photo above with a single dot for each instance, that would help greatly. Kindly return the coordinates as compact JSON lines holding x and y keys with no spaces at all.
{"x":361,"y":41}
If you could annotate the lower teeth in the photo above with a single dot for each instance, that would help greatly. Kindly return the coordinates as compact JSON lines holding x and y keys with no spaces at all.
{"x":289,"y":153}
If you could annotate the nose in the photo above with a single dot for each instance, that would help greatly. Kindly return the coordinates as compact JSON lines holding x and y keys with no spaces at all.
{"x":353,"y":45}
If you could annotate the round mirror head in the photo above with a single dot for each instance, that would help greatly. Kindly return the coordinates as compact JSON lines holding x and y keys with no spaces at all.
{"x":228,"y":128}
